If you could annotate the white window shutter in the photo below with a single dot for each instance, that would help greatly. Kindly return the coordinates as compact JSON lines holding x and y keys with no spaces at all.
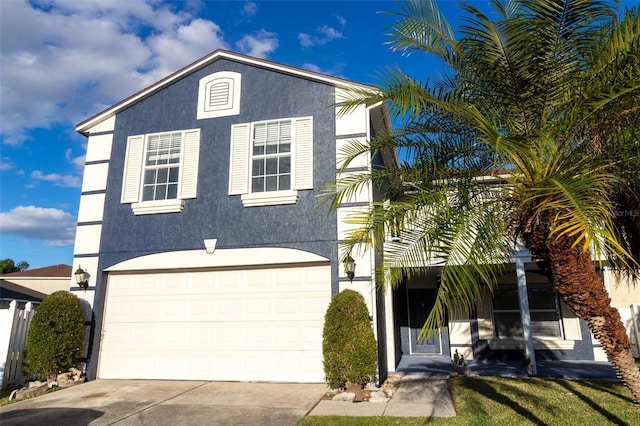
{"x":132,"y":169}
{"x":304,"y":153}
{"x":189,"y":167}
{"x":239,"y":161}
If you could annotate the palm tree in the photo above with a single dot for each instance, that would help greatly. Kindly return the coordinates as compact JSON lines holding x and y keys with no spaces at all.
{"x":530,"y":137}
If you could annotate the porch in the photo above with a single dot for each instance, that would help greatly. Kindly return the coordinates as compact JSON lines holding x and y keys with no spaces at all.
{"x":442,"y":366}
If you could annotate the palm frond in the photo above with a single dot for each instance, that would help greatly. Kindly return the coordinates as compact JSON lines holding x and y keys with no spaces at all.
{"x":421,"y":27}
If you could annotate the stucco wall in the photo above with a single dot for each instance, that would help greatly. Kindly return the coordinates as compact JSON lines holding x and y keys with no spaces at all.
{"x":265,"y":95}
{"x":42,"y":285}
{"x":623,"y":291}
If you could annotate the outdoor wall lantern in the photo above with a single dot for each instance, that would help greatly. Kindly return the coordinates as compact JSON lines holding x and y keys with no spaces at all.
{"x":350,"y":267}
{"x":82,"y":278}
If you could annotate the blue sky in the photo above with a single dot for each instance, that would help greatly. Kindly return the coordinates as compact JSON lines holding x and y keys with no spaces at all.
{"x":64,"y":61}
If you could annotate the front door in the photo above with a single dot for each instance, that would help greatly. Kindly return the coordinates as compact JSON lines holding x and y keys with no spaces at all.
{"x":420,"y":302}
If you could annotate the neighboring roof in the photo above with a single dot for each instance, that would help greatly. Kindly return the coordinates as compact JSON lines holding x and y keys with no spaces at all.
{"x":55,"y":271}
{"x":87,"y":124}
{"x":11,"y":291}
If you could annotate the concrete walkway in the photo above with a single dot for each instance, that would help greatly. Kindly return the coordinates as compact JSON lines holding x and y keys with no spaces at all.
{"x":423,"y":391}
{"x":416,"y":396}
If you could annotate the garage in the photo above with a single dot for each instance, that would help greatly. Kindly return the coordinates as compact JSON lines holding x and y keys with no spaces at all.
{"x":251,"y":324}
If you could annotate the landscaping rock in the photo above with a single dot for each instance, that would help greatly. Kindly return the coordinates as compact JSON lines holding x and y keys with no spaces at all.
{"x":378,"y":396}
{"x":69,"y":383}
{"x":344,"y":396}
{"x":34,"y":384}
{"x":64,"y":376}
{"x":31,"y":391}
{"x":37,"y":388}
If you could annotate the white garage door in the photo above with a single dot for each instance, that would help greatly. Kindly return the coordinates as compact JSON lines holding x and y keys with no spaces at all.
{"x":250,"y":325}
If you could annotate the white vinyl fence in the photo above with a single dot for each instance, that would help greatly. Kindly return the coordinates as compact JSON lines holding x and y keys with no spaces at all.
{"x":14,"y":324}
{"x":631,"y":318}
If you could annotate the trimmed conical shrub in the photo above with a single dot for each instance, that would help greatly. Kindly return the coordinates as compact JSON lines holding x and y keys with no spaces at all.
{"x":348,"y":343}
{"x":55,"y":337}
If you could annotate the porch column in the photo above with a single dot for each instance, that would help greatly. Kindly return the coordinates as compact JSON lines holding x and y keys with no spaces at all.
{"x":525,"y":316}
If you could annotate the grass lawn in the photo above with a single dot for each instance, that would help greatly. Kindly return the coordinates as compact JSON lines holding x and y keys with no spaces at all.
{"x":504,"y":401}
{"x":4,"y":397}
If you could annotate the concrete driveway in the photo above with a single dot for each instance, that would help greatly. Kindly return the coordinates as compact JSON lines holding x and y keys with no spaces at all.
{"x":146,"y":402}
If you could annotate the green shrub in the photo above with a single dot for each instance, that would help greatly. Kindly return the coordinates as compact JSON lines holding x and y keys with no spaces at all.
{"x":348,"y":343}
{"x":55,"y":337}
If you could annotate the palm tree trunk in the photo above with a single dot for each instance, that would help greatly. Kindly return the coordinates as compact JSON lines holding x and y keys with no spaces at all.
{"x":575,"y":279}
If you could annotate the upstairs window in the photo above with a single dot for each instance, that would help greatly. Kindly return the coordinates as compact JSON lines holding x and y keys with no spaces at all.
{"x":271,"y":156}
{"x":162,"y":167}
{"x":161,"y":170}
{"x":219,"y":95}
{"x":271,"y":161}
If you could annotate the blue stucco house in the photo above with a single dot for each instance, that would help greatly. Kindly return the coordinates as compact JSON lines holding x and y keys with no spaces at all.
{"x":200,"y":227}
{"x":210,"y":256}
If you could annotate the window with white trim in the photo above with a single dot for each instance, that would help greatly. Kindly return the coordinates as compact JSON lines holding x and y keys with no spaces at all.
{"x":161,"y":166}
{"x":219,"y":95}
{"x":161,"y":170}
{"x":544,"y":310}
{"x":271,"y":160}
{"x":271,"y":156}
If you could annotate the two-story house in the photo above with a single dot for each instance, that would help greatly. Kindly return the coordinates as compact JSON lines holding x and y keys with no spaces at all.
{"x":199,"y":223}
{"x":210,"y":257}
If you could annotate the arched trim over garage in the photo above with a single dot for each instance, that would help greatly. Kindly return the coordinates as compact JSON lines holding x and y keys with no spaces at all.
{"x":220,"y":258}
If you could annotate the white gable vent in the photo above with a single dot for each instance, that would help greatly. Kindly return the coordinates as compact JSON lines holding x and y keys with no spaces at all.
{"x":219,"y":95}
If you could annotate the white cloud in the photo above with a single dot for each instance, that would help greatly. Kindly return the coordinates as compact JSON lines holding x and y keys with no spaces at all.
{"x":330,"y":32}
{"x":311,"y":67}
{"x":55,"y":226}
{"x":260,"y":44}
{"x":176,"y":49}
{"x":75,"y":58}
{"x":58,"y":179}
{"x":78,"y":162}
{"x":326,"y":34}
{"x":315,"y":68}
{"x":341,"y":20}
{"x":6,"y":164}
{"x":305,"y":40}
{"x":250,"y":9}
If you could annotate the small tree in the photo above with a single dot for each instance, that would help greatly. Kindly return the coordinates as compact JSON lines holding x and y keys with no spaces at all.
{"x":348,"y":343}
{"x":8,"y":265}
{"x":55,"y":336}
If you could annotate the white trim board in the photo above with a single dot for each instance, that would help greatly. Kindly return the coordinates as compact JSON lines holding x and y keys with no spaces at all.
{"x":221,"y":258}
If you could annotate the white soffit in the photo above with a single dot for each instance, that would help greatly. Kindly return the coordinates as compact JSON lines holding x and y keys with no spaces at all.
{"x":222,"y":258}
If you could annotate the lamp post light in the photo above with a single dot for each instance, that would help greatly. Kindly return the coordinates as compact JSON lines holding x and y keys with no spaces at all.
{"x":82,"y":278}
{"x":349,"y":267}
